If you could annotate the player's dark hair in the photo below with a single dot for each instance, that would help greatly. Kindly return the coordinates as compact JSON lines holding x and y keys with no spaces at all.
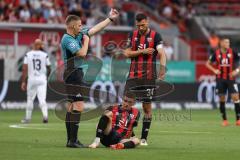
{"x":140,"y":17}
{"x":224,"y":38}
{"x":130,"y":95}
{"x":71,"y":18}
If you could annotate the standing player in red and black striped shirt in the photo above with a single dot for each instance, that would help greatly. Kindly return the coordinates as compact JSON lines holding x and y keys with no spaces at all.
{"x":115,"y":127}
{"x":144,"y":46}
{"x":226,"y":59}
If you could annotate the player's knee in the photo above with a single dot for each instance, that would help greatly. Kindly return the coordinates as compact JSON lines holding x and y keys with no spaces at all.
{"x":147,"y":109}
{"x":222,"y":98}
{"x":78,"y":106}
{"x":109,"y":114}
{"x":235,"y":98}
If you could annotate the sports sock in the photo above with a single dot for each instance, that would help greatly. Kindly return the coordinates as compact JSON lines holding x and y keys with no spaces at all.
{"x":237,"y":110}
{"x":223,"y":110}
{"x":67,"y":123}
{"x":28,"y":113}
{"x":146,"y":126}
{"x":102,"y":125}
{"x":29,"y":108}
{"x":129,"y":144}
{"x":44,"y":110}
{"x":74,"y":125}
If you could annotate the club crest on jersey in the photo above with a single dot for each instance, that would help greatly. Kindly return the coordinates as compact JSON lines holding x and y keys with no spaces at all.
{"x":229,"y":55}
{"x":219,"y":56}
{"x":131,"y":116}
{"x":135,"y":39}
{"x":149,"y":39}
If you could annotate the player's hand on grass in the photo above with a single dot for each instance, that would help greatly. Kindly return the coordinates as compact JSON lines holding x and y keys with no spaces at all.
{"x":113,"y":14}
{"x":93,"y":145}
{"x":23,"y":86}
{"x":217,"y":72}
{"x":148,"y":51}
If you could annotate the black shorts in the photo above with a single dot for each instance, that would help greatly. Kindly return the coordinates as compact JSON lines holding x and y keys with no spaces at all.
{"x":143,"y":88}
{"x":223,"y":86}
{"x":74,"y":78}
{"x":112,"y":138}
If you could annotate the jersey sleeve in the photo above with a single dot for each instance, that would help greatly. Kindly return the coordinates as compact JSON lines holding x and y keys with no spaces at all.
{"x":48,"y":63}
{"x":85,"y":31}
{"x":72,"y":46}
{"x":129,"y":40}
{"x":212,"y":58}
{"x":25,"y":59}
{"x":158,"y":42}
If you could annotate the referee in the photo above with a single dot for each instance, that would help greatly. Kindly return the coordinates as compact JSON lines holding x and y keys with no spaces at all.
{"x":74,"y":46}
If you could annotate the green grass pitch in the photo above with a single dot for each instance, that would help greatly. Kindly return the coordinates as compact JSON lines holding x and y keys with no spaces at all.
{"x":196,"y":137}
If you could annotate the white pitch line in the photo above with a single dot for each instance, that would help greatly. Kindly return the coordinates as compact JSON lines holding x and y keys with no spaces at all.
{"x":25,"y":127}
{"x":186,"y":132}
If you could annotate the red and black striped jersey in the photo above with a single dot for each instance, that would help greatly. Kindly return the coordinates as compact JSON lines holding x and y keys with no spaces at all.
{"x":226,"y":62}
{"x":144,"y":66}
{"x":123,"y":121}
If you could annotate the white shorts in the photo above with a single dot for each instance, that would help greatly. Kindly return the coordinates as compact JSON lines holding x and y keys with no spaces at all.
{"x":38,"y":88}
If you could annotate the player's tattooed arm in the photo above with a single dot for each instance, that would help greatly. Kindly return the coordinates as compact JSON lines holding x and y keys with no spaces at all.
{"x":129,"y":53}
{"x":163,"y":61}
{"x":210,"y":61}
{"x":211,"y":68}
{"x":236,"y":71}
{"x":24,"y":77}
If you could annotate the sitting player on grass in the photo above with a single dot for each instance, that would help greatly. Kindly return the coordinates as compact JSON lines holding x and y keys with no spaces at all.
{"x":115,"y":127}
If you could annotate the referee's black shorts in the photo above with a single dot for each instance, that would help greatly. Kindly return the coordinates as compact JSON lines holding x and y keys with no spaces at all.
{"x":222,"y":86}
{"x":143,"y":88}
{"x":72,"y":80}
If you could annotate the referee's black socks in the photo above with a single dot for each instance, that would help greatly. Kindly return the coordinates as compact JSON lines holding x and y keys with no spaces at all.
{"x":223,"y":110}
{"x":74,"y":125}
{"x":237,"y":110}
{"x":102,"y":125}
{"x":146,"y":126}
{"x":67,"y":124}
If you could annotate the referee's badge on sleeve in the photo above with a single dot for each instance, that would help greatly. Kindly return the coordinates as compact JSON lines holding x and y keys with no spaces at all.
{"x":72,"y":45}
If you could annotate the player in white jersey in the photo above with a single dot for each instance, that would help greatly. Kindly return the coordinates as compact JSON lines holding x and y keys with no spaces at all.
{"x":36,"y":68}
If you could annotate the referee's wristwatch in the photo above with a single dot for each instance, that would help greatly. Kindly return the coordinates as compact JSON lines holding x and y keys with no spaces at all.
{"x":110,"y":19}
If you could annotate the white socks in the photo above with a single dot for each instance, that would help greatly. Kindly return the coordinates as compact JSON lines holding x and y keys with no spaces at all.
{"x":44,"y":110}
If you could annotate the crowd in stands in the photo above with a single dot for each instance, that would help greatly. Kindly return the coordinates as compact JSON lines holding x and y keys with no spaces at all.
{"x":43,"y":11}
{"x":174,"y":12}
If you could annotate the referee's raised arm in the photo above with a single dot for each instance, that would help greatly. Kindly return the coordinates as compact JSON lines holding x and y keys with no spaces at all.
{"x":100,"y":26}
